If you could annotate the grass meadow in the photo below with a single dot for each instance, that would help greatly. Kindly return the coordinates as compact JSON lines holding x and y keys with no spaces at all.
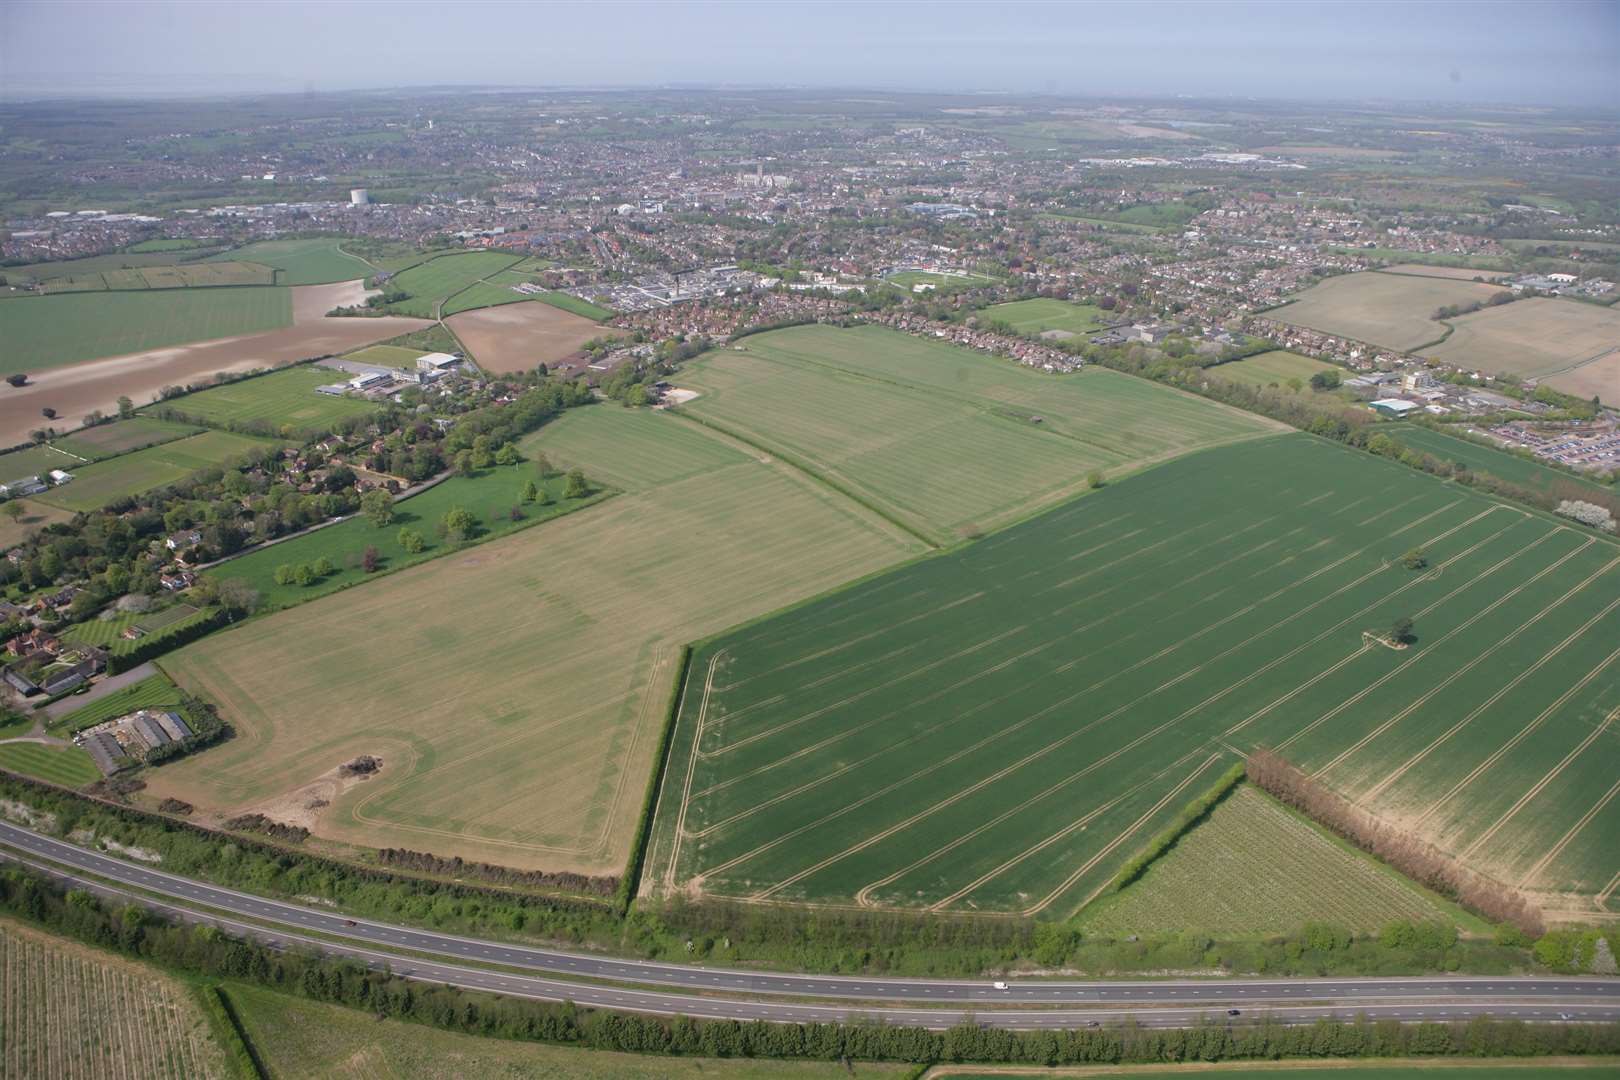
{"x":1035,"y":316}
{"x":286,"y":397}
{"x":317,"y":261}
{"x":437,"y":280}
{"x":940,"y":438}
{"x":297,"y":1038}
{"x":514,"y":690}
{"x":94,"y":486}
{"x":34,"y":461}
{"x":1000,"y":727}
{"x":122,"y":437}
{"x":1392,"y":310}
{"x":1256,"y":867}
{"x":1268,"y":368}
{"x":47,"y":331}
{"x":73,"y":1011}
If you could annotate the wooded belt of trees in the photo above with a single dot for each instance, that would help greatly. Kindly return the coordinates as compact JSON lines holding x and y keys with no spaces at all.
{"x":207,"y":951}
{"x":1414,"y":857}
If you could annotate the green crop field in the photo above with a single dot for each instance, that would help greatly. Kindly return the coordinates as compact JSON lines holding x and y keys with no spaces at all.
{"x":299,"y":1039}
{"x":1499,"y":463}
{"x":286,"y":398}
{"x":393,"y":356}
{"x":433,"y":282}
{"x":575,"y":305}
{"x":65,"y":765}
{"x":1000,"y":727}
{"x":1034,"y":316}
{"x":515,"y":690}
{"x":943,"y":439}
{"x":489,"y":496}
{"x":122,"y":437}
{"x":154,"y":690}
{"x":1255,"y":867}
{"x":1264,"y":369}
{"x":317,"y":261}
{"x":1450,"y":1068}
{"x":46,"y":331}
{"x":185,"y":276}
{"x":483,"y":294}
{"x":94,"y":486}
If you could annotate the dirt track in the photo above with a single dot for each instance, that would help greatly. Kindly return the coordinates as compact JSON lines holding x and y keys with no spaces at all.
{"x":516,"y":337}
{"x":75,"y":389}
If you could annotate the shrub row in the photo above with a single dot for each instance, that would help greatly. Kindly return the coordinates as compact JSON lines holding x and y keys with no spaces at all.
{"x":1190,"y":815}
{"x":166,"y":640}
{"x":649,"y":801}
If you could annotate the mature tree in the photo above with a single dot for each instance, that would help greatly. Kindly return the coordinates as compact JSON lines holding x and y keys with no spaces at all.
{"x":1415,"y":559}
{"x":378,"y":507}
{"x":506,"y":455}
{"x":286,"y":574}
{"x":530,"y":492}
{"x":304,"y":575}
{"x":14,"y":510}
{"x":410,"y":540}
{"x":236,"y":596}
{"x":542,"y":496}
{"x":1401,"y":631}
{"x":542,"y":465}
{"x":324,"y":566}
{"x":459,"y":523}
{"x":126,"y":408}
{"x":1094,"y":479}
{"x":576,"y":487}
{"x":1327,"y":379}
{"x":370,"y":559}
{"x":466,"y":464}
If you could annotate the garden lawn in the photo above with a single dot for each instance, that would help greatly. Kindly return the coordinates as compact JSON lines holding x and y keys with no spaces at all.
{"x":47,"y":331}
{"x":285,"y":398}
{"x":95,"y":486}
{"x":515,"y":690}
{"x":1002,"y":726}
{"x":65,"y":765}
{"x":943,"y":439}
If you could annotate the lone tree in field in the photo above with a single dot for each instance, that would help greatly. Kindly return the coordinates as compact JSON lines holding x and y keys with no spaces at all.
{"x":410,"y":541}
{"x":1400,"y":631}
{"x":14,"y":511}
{"x":1415,"y":559}
{"x":1094,"y":479}
{"x":126,"y":408}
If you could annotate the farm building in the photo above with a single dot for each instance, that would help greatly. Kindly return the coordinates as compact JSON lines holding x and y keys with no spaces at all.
{"x":1394,"y":407}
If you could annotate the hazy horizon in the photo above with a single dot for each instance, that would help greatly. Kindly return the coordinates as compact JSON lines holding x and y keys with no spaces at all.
{"x":1564,"y":53}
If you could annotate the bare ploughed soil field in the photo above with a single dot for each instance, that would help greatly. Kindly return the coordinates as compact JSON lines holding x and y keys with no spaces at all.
{"x":516,"y":337}
{"x":73,"y":390}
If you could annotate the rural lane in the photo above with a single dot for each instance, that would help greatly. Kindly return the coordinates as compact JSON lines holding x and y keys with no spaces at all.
{"x":1059,"y":1003}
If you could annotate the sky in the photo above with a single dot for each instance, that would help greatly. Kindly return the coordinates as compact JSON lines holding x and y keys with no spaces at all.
{"x":1557,"y":52}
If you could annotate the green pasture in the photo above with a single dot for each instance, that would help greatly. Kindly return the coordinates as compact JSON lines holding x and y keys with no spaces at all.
{"x":482,"y":294}
{"x":437,"y":280}
{"x":286,"y":397}
{"x":150,"y":692}
{"x":1034,"y":316}
{"x":95,"y":486}
{"x":317,"y":261}
{"x":571,"y":303}
{"x":1002,"y":726}
{"x":65,"y":765}
{"x":121,"y":437}
{"x":1499,"y":463}
{"x":35,"y":461}
{"x":1276,"y":366}
{"x":47,"y":331}
{"x":490,"y":496}
{"x":941,"y":438}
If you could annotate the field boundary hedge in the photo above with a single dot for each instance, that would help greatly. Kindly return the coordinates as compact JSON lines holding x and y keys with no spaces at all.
{"x":152,"y":645}
{"x":1191,"y":815}
{"x":228,"y":1024}
{"x":630,"y":880}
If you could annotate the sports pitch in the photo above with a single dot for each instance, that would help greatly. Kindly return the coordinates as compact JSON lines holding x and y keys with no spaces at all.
{"x":1392,"y":310}
{"x":1035,"y":316}
{"x":514,"y":691}
{"x":938,"y":437}
{"x":285,"y":398}
{"x":45,"y":331}
{"x":1000,"y":727}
